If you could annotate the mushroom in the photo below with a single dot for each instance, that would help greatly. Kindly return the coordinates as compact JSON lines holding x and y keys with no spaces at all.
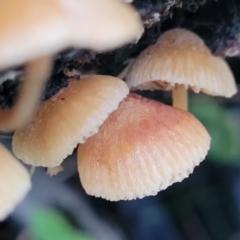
{"x":143,"y":147}
{"x":180,"y":60}
{"x":15,"y":182}
{"x":68,"y":118}
{"x":41,"y":28}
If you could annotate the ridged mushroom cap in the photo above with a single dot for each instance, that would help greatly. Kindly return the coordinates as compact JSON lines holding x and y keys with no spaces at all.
{"x":30,"y":29}
{"x":15,"y":182}
{"x":143,"y":147}
{"x":181,"y":57}
{"x":68,"y":118}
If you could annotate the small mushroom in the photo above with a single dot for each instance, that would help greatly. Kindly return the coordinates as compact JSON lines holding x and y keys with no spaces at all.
{"x":180,"y":60}
{"x":15,"y":182}
{"x":143,"y":147}
{"x":68,"y":118}
{"x":32,"y":32}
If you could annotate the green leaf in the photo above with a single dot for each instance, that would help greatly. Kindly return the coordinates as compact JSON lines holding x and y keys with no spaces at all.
{"x":222,"y":125}
{"x":51,"y":225}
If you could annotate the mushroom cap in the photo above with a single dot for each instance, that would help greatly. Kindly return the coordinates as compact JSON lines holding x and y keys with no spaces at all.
{"x":143,"y":147}
{"x":181,"y":57}
{"x":68,"y":118}
{"x":36,"y":28}
{"x":15,"y":182}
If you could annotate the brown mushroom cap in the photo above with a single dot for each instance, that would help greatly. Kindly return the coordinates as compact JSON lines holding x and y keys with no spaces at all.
{"x":68,"y":118}
{"x":15,"y":182}
{"x":181,"y":57}
{"x":30,"y":29}
{"x":143,"y":147}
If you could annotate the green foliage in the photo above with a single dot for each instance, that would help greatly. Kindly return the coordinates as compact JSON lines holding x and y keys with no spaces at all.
{"x":51,"y":225}
{"x":223,"y":126}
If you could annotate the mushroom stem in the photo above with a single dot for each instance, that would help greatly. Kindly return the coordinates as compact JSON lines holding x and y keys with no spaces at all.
{"x":52,"y":171}
{"x":32,"y":170}
{"x":124,"y":72}
{"x":35,"y":76}
{"x":180,"y":97}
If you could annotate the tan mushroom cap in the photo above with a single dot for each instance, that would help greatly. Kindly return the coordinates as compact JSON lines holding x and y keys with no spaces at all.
{"x":68,"y":118}
{"x":181,"y":57}
{"x":30,"y":29}
{"x":143,"y":147}
{"x":15,"y":182}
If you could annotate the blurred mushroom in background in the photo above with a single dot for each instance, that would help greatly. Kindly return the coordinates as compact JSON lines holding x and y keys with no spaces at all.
{"x":15,"y":182}
{"x":40,"y":29}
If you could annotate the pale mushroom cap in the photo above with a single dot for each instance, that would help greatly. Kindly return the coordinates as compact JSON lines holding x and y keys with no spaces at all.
{"x":143,"y":147}
{"x":29,"y":29}
{"x":15,"y":182}
{"x":68,"y":118}
{"x":107,"y":24}
{"x":181,"y":57}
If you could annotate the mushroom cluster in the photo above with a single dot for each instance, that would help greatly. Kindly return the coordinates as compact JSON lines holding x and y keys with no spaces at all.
{"x":128,"y":146}
{"x":31,"y":34}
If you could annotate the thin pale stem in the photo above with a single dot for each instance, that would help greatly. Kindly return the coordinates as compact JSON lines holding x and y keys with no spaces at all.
{"x":52,"y":171}
{"x":32,"y":170}
{"x":36,"y":74}
{"x":180,"y":97}
{"x":124,"y":72}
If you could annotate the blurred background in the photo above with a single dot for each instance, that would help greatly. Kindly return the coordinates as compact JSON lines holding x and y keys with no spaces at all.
{"x":205,"y":206}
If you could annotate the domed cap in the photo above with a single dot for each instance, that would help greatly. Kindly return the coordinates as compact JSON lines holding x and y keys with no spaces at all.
{"x":143,"y":147}
{"x":181,"y":57}
{"x":15,"y":182}
{"x":68,"y":118}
